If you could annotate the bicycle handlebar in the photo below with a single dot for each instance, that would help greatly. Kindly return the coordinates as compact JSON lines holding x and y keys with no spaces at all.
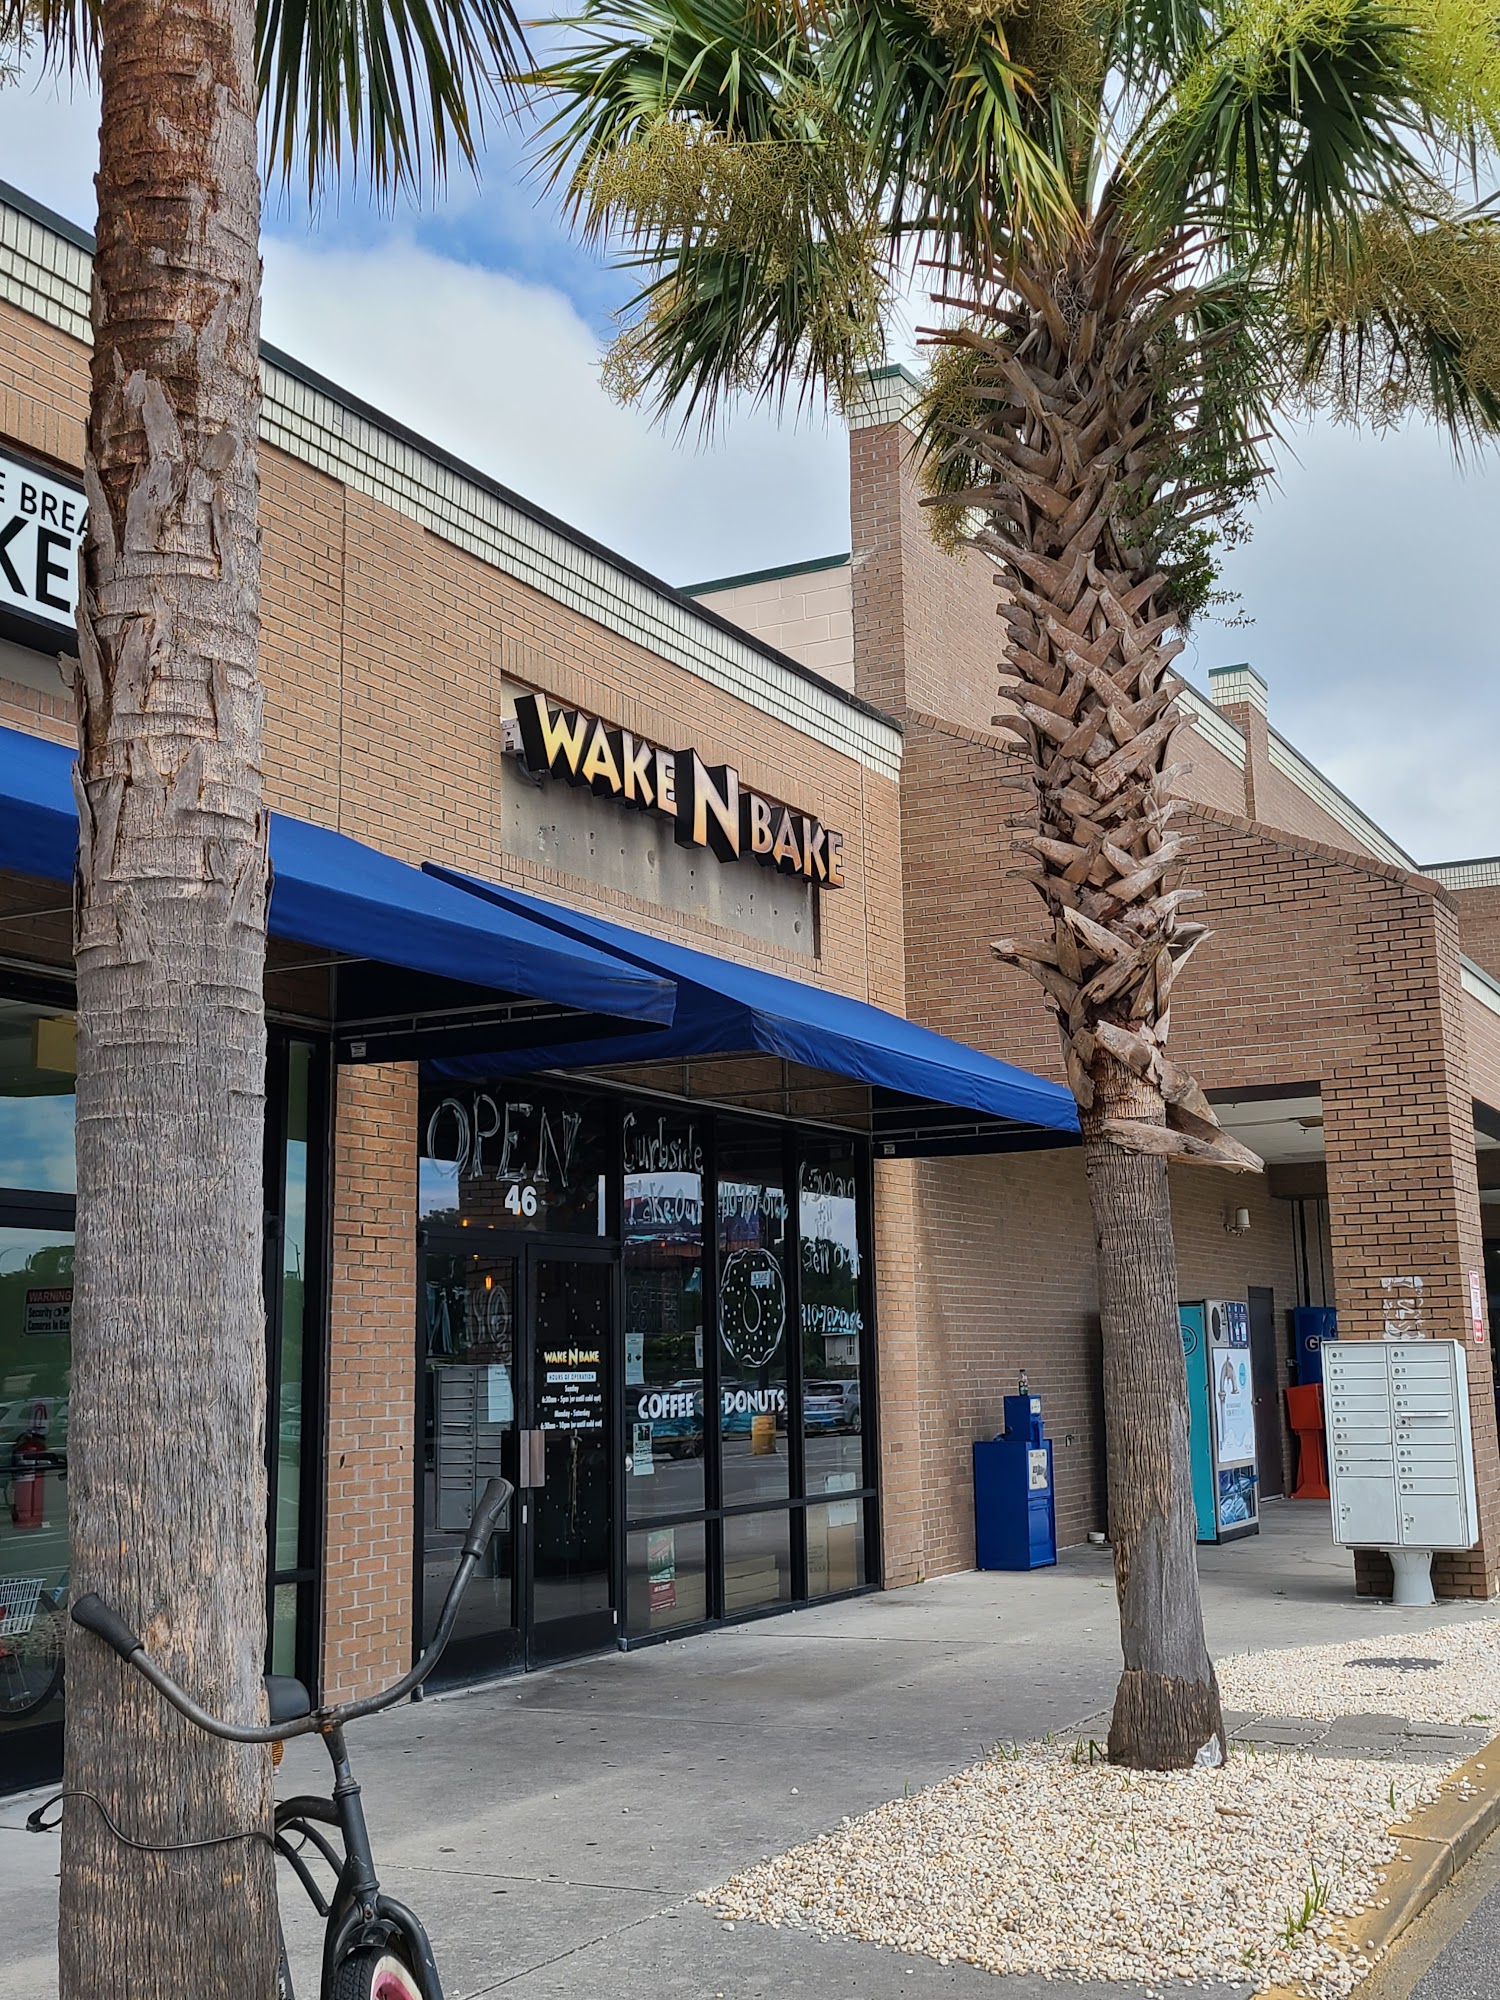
{"x":91,"y":1612}
{"x":95,"y":1616}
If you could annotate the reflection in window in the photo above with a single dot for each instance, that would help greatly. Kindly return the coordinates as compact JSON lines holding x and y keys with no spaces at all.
{"x":36,"y":1299}
{"x":38,"y":1076}
{"x":289,"y":1431}
{"x":752,"y":1315}
{"x":835,"y":1547}
{"x":832,"y":1320}
{"x":666,"y":1578}
{"x":469,"y":1411}
{"x":757,"y":1561}
{"x":663,"y":1256}
{"x":512,"y":1156}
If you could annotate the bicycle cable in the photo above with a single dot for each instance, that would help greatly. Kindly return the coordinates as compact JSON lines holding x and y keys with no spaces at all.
{"x":37,"y":1822}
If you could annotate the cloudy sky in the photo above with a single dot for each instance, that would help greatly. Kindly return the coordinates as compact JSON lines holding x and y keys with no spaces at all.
{"x":1369,"y":578}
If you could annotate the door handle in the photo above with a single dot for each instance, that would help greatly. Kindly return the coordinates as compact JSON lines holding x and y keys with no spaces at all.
{"x":533,"y":1458}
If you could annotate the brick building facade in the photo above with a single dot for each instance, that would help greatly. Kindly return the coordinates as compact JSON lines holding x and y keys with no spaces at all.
{"x":1346,"y":1015}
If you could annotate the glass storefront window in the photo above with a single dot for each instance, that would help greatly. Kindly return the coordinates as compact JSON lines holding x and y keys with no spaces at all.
{"x":835,"y":1547}
{"x":289,"y":1430}
{"x":757,"y":1562}
{"x":663,"y":1257}
{"x":472,"y":1310}
{"x":38,"y":1074}
{"x":512,"y":1156}
{"x":36,"y":1297}
{"x":38,"y":1070}
{"x":752,"y":1314}
{"x":666,"y":1575}
{"x":832,"y":1319}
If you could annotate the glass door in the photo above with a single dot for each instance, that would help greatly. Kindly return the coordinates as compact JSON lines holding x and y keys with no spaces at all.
{"x":566,"y":1462}
{"x":471,"y":1409}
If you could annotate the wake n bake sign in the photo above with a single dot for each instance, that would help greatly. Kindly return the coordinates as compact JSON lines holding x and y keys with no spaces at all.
{"x":706,"y":803}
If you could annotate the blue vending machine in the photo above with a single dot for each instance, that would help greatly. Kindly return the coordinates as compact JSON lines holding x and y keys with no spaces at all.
{"x":1015,"y":1523}
{"x":1313,"y":1325}
{"x":1221,"y":1416}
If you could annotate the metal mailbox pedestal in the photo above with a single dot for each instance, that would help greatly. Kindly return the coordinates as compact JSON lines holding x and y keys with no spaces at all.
{"x":1015,"y":1524}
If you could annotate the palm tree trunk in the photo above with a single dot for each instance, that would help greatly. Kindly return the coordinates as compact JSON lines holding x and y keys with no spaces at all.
{"x":1064,"y":395}
{"x":167,"y":1488}
{"x":1166,"y":1712}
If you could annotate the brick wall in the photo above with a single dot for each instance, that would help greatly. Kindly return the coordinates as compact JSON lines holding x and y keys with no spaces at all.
{"x":383,"y":651}
{"x":963,"y":1259}
{"x":1328,"y":969}
{"x":372,"y":1381}
{"x":1479,"y":926}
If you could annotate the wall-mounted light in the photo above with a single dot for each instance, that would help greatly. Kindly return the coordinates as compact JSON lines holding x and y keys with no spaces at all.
{"x":1237,"y":1222}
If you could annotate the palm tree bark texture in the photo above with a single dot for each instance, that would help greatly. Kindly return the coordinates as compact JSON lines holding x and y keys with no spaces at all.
{"x":1064,"y":415}
{"x":168,"y":1326}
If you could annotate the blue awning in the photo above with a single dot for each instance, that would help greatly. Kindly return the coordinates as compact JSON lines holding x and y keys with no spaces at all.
{"x":724,"y":1008}
{"x":334,"y":893}
{"x":38,"y":819}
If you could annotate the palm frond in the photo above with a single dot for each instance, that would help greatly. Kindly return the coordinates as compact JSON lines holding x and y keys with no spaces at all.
{"x":395,"y":87}
{"x":1152,"y":42}
{"x":716,"y":65}
{"x":1296,"y":117}
{"x":961,"y":146}
{"x":1406,"y":321}
{"x":64,"y":33}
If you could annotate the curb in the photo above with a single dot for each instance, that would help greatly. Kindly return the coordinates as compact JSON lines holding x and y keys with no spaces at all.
{"x":1433,"y":1845}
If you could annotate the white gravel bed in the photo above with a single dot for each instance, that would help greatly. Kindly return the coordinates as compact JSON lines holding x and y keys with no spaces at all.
{"x":1323,"y":1682}
{"x":1039,"y":1861}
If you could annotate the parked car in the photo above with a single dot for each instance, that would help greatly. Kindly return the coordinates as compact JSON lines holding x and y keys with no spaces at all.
{"x":830,"y":1406}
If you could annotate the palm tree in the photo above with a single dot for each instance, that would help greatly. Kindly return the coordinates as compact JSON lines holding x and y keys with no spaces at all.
{"x":167,"y":1493}
{"x":1154,"y":225}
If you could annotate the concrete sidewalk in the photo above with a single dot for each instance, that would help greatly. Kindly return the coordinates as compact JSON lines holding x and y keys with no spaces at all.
{"x":553,"y":1830}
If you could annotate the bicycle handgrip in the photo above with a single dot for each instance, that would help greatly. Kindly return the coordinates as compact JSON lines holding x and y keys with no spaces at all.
{"x":491,"y":1503}
{"x":95,"y":1616}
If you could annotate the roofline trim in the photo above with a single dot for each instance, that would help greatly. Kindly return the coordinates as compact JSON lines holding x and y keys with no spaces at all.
{"x":875,"y":739}
{"x":773,"y":575}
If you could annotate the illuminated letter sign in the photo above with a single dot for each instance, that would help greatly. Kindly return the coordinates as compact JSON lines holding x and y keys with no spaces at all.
{"x":706,"y":803}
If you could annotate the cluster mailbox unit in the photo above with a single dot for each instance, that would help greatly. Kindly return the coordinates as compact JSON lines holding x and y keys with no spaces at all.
{"x":1400,"y":1453}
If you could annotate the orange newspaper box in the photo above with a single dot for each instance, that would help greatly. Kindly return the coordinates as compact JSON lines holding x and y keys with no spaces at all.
{"x":1304,"y":1408}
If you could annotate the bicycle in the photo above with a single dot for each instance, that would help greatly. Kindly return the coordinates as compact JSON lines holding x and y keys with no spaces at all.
{"x":31,"y":1646}
{"x":374,"y":1948}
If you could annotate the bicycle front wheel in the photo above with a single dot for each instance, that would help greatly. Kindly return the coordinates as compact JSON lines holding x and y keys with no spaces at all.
{"x":375,"y":1975}
{"x":31,"y":1656}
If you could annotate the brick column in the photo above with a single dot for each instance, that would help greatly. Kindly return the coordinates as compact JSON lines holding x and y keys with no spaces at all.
{"x":372,"y":1385}
{"x":1239,"y":693}
{"x":897,"y":1319}
{"x":1403,"y":1200}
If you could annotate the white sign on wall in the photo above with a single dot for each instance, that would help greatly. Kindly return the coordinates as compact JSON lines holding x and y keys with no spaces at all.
{"x":41,"y":526}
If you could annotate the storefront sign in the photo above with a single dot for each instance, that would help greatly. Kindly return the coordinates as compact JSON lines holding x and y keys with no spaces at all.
{"x":41,"y":526}
{"x":1476,"y":1307}
{"x":706,"y":803}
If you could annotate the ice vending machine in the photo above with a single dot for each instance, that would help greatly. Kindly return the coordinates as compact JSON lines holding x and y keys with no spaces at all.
{"x":1221,"y":1412}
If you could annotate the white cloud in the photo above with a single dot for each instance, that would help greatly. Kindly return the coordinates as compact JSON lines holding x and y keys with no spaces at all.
{"x":505,"y":374}
{"x":49,"y":143}
{"x":1370,"y":579}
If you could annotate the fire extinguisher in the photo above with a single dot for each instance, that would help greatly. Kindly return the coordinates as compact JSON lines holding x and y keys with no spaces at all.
{"x":28,"y":1480}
